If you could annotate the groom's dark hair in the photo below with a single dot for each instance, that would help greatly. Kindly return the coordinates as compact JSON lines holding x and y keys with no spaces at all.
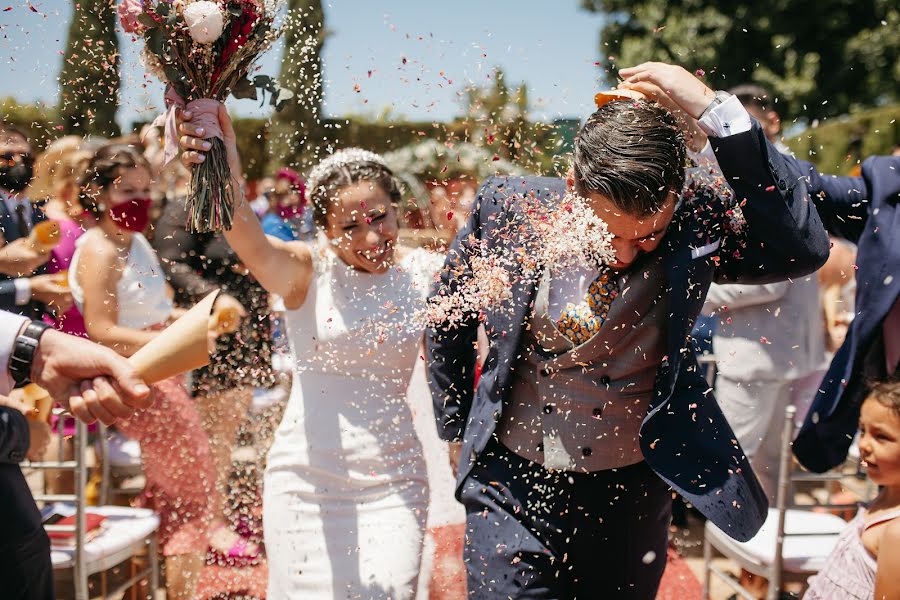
{"x":633,"y":153}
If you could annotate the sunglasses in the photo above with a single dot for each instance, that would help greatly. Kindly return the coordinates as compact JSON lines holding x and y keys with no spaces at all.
{"x":9,"y":159}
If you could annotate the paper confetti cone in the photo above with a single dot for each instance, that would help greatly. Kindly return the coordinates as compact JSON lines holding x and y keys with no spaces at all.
{"x":608,"y":96}
{"x":39,"y":400}
{"x":180,"y":347}
{"x":226,"y":320}
{"x":45,"y":236}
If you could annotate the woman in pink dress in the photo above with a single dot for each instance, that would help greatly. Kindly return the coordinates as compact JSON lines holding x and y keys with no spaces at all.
{"x":119,"y":285}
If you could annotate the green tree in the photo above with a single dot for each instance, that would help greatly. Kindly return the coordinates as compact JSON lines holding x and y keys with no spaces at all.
{"x":820,"y":58}
{"x":89,"y":80}
{"x":297,"y":133}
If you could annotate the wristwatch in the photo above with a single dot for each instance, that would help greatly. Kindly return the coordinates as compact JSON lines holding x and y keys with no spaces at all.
{"x":721,"y":97}
{"x":23,"y":352}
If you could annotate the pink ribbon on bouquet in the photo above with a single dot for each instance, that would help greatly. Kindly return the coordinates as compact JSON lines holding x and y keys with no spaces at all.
{"x":205,"y":113}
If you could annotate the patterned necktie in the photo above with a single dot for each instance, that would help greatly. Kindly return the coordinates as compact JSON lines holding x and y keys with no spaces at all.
{"x":580,"y":322}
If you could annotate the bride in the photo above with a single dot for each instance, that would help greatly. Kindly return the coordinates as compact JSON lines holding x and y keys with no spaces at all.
{"x":345,"y":495}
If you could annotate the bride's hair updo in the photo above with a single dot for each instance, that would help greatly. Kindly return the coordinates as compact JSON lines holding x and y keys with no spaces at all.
{"x":343,"y":168}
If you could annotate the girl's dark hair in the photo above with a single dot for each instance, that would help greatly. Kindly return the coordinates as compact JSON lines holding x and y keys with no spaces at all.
{"x":632,"y":152}
{"x":330,"y":183}
{"x":103,"y":169}
{"x":887,"y":393}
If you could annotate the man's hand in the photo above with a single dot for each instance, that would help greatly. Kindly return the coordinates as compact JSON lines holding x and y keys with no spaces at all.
{"x":454,"y":449}
{"x":19,"y":258}
{"x":92,"y":381}
{"x":689,"y":93}
{"x":47,"y":290}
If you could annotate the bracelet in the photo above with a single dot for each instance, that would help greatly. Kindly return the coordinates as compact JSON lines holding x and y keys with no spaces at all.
{"x":23,"y":352}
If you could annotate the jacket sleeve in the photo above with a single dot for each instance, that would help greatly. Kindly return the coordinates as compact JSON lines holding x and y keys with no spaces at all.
{"x":14,"y":436}
{"x":451,"y":350}
{"x":842,"y":202}
{"x":7,"y":295}
{"x":782,"y":235}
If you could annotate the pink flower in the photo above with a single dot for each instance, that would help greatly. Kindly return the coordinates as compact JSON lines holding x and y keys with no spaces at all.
{"x":129,"y":11}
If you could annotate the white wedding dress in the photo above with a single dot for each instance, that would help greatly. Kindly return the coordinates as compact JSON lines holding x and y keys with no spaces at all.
{"x":346,"y":492}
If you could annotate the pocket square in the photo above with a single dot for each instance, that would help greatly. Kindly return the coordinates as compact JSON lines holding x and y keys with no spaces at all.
{"x":704,"y":250}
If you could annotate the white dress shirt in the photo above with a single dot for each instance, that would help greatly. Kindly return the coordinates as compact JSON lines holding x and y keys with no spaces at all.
{"x":10,"y":325}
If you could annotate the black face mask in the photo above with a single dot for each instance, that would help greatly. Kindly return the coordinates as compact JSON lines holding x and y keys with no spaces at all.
{"x":16,"y":178}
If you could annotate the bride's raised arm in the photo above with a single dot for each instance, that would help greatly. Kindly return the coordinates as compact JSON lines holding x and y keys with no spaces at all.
{"x":283,"y":268}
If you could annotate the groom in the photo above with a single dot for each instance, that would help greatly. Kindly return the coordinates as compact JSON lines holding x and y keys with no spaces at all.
{"x":576,"y":433}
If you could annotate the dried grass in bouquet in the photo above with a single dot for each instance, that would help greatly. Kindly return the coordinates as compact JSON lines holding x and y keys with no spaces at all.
{"x":205,"y":50}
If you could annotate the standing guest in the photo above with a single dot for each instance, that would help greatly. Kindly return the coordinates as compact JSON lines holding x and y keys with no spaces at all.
{"x":570,"y":442}
{"x":284,"y":219}
{"x":120,"y":288}
{"x":345,"y":493}
{"x":77,"y":373}
{"x":863,"y":210}
{"x":770,"y":340}
{"x":57,"y":171}
{"x":195,"y":264}
{"x":21,"y":290}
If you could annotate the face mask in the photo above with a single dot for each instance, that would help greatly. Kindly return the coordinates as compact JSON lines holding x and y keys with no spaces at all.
{"x":133,"y":215}
{"x":17,"y":177}
{"x":290,"y":211}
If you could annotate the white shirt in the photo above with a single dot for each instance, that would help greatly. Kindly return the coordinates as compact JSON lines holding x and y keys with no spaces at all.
{"x":10,"y":325}
{"x":571,"y":285}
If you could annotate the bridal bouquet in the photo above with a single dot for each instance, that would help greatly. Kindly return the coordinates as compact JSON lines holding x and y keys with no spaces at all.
{"x":204,"y":51}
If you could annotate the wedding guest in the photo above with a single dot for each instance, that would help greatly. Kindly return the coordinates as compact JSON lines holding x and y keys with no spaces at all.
{"x":24,"y":286}
{"x":77,"y":373}
{"x":284,"y":218}
{"x":120,"y":288}
{"x":195,"y":264}
{"x":345,"y":490}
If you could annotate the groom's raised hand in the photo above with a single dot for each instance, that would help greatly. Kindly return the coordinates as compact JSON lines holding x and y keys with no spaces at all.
{"x":681,"y":87}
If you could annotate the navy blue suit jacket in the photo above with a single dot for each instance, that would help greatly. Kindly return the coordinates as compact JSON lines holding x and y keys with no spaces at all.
{"x":684,"y":436}
{"x":10,"y":231}
{"x":863,"y":210}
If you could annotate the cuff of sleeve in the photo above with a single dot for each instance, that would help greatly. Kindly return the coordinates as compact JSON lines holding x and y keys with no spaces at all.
{"x":728,"y":118}
{"x":23,"y":291}
{"x":10,"y":325}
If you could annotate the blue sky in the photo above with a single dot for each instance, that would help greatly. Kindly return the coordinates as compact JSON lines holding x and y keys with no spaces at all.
{"x":549,"y":44}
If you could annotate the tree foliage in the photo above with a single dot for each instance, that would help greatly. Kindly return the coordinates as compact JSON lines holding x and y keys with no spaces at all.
{"x":89,"y":80}
{"x":820,"y":57}
{"x":297,"y":133}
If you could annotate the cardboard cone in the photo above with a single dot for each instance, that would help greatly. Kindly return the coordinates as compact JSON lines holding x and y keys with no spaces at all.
{"x":61,"y":278}
{"x":39,"y":400}
{"x":180,"y":347}
{"x":608,"y":96}
{"x":45,"y":236}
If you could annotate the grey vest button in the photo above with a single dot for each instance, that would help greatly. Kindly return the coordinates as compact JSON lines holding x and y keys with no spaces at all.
{"x":545,"y":372}
{"x":548,"y":408}
{"x":586,"y":451}
{"x":605,"y":380}
{"x":597,"y":412}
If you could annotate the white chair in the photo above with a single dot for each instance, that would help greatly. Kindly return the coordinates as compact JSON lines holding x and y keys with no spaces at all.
{"x":120,"y":460}
{"x":792,"y":544}
{"x":125,"y":533}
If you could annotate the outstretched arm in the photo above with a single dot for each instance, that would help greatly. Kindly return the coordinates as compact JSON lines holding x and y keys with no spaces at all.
{"x":282,"y":268}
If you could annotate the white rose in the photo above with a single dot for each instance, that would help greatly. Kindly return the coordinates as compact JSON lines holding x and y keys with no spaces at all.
{"x":204,"y":20}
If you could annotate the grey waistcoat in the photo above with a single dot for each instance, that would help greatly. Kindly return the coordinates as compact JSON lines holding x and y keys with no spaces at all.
{"x":579,"y":408}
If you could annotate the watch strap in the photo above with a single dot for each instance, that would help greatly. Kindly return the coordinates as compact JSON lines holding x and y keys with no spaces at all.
{"x":25,"y":346}
{"x":719,"y":99}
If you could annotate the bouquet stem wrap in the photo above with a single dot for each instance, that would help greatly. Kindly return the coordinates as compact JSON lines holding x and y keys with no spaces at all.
{"x":211,"y":198}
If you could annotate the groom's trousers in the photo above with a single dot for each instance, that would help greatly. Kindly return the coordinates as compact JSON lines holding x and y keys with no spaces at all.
{"x":538,"y":533}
